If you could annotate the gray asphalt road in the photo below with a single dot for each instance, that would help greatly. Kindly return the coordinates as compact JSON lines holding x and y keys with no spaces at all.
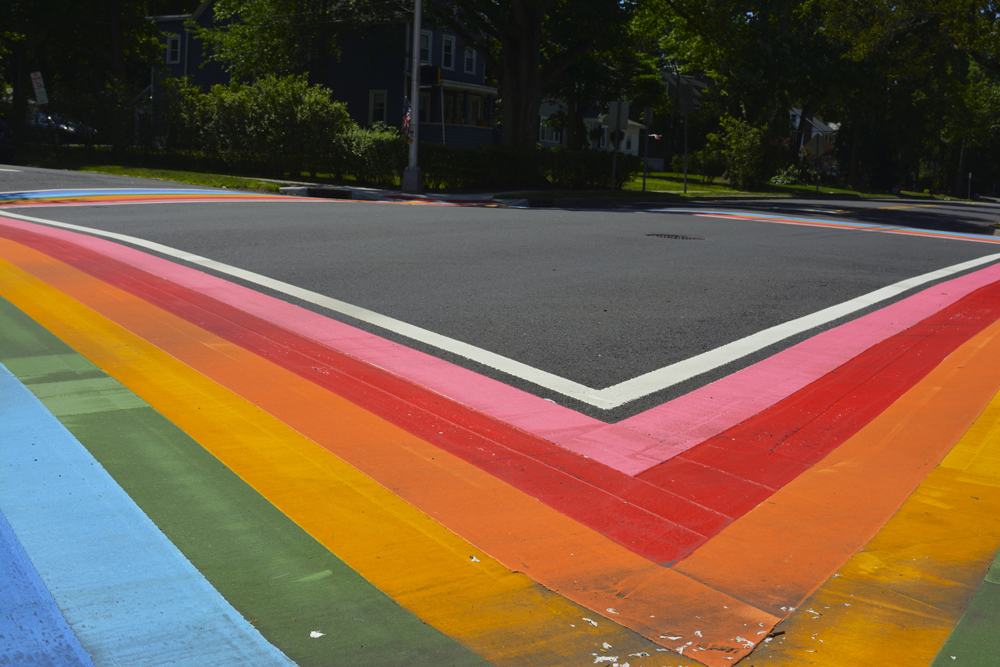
{"x":598,"y":297}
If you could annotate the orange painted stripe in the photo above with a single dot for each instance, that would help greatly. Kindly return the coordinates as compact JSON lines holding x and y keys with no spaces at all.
{"x":521,"y":533}
{"x":777,"y":554}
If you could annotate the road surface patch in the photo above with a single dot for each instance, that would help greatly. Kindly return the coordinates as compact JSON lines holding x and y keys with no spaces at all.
{"x":182,"y":342}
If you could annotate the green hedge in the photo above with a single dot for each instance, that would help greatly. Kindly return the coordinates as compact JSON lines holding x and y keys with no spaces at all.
{"x":512,"y":167}
{"x":374,"y":156}
{"x":276,"y":126}
{"x":480,"y":167}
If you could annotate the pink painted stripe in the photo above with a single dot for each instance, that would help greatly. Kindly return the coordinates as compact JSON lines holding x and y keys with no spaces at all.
{"x":526,"y":411}
{"x":688,"y":420}
{"x":630,"y":446}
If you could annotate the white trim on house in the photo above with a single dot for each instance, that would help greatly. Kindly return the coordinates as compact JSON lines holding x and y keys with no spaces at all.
{"x":447,"y":41}
{"x":173,"y":49}
{"x":430,"y":46}
{"x":472,"y":87}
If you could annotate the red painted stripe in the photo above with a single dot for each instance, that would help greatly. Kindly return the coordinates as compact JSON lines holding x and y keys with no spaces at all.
{"x":740,"y":468}
{"x":670,"y":509}
{"x":651,"y":522}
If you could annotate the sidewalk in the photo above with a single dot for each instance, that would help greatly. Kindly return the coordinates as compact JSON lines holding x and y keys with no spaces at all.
{"x":652,"y":199}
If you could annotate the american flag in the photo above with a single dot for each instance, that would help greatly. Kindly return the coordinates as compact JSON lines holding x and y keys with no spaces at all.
{"x":406,"y":117}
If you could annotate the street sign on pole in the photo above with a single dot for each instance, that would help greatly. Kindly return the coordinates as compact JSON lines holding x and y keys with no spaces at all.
{"x":817,"y":146}
{"x":36,"y":81}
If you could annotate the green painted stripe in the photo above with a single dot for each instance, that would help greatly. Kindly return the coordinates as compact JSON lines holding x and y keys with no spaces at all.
{"x":268,"y":568}
{"x":975,"y":641}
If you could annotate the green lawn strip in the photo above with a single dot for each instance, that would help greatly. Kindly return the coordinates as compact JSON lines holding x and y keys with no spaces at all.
{"x":191,"y":177}
{"x":975,"y":640}
{"x":275,"y":574}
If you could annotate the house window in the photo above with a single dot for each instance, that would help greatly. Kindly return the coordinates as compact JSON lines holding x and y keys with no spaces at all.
{"x":454,"y":108}
{"x":425,"y":47}
{"x":448,"y":53}
{"x":470,"y":60}
{"x":604,"y":137}
{"x":173,"y":49}
{"x":628,"y":141}
{"x":376,"y":106}
{"x":476,"y":109}
{"x":425,"y":107}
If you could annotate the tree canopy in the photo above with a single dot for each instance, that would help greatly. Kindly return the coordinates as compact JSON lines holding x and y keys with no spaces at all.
{"x":527,"y":44}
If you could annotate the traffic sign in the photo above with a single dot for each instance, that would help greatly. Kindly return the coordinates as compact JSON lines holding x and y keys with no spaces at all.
{"x":36,"y":81}
{"x":818,"y":145}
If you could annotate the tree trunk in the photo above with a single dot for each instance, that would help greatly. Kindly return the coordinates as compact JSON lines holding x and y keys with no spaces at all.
{"x":20,"y":90}
{"x":961,"y":170}
{"x":852,"y":170}
{"x":117,"y":40}
{"x":572,"y":136}
{"x":521,"y":84}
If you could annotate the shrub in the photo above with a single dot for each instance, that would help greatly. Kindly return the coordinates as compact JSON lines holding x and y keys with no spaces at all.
{"x":743,"y":149}
{"x":282,"y":123}
{"x":587,"y":169}
{"x":791,"y":175}
{"x":375,"y":155}
{"x":513,"y":167}
{"x":711,"y":164}
{"x":481,"y":167}
{"x":183,"y":108}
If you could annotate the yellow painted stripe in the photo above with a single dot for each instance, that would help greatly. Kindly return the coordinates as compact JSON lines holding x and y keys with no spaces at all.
{"x":502,"y":615}
{"x":897,"y":600}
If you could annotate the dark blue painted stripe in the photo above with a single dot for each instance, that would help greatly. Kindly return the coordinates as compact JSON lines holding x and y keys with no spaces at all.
{"x":32,"y":629}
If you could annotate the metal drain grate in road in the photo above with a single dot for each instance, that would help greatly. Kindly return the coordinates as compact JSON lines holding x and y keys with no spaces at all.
{"x":677,"y":237}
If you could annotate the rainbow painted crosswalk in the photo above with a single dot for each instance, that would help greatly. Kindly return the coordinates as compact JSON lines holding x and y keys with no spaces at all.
{"x":230,"y":479}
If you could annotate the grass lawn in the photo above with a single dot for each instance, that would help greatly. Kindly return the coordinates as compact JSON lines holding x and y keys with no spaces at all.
{"x":101,"y":161}
{"x":191,"y":177}
{"x":666,"y":185}
{"x":671,"y":185}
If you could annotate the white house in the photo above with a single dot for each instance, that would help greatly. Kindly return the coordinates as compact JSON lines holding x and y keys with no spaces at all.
{"x":597,"y":131}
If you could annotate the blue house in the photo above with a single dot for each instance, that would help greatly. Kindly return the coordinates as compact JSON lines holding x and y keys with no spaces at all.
{"x":372,"y":75}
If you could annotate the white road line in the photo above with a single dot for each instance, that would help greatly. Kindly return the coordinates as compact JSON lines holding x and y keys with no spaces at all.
{"x":608,"y":398}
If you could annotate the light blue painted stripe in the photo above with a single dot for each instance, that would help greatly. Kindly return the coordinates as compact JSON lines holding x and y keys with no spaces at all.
{"x":32,"y":629}
{"x":845,"y":224}
{"x":129,"y":595}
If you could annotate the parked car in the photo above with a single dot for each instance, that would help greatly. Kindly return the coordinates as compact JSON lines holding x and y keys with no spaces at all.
{"x":6,"y":141}
{"x":57,"y":128}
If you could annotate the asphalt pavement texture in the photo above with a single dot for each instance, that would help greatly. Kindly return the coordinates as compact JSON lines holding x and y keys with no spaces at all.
{"x":597,"y":297}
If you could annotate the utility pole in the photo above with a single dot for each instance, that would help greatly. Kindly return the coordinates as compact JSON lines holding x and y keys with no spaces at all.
{"x":648,"y":117}
{"x":684,"y":106}
{"x":615,"y":136}
{"x":413,"y":178}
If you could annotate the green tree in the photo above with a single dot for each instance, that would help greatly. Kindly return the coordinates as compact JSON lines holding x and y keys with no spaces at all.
{"x":526,"y":44}
{"x":281,"y":37}
{"x":627,"y":70}
{"x":969,"y":26}
{"x":93,"y":55}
